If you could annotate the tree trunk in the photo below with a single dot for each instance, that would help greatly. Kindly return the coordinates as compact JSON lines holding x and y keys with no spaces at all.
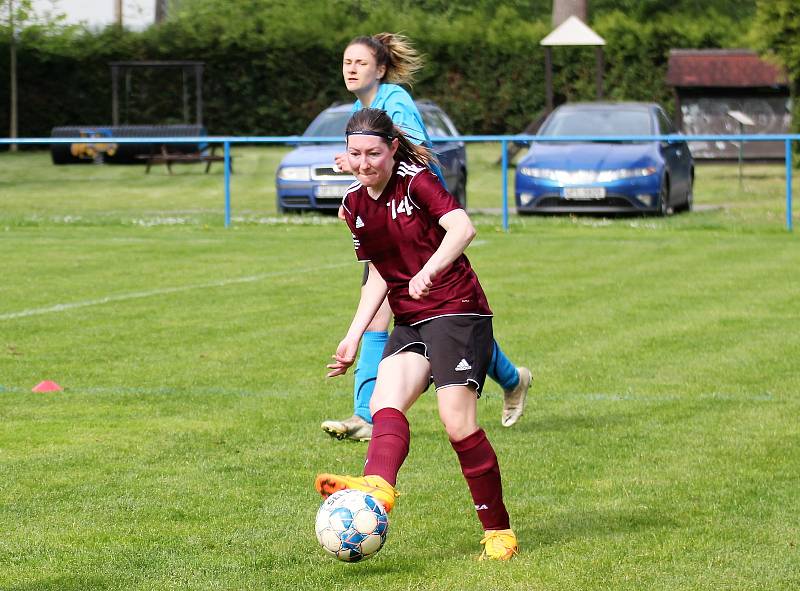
{"x":162,"y":9}
{"x":12,"y":132}
{"x":563,"y":9}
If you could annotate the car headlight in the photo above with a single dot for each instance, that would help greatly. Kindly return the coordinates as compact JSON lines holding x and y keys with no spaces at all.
{"x":294,"y":173}
{"x":605,"y":176}
{"x":540,"y":173}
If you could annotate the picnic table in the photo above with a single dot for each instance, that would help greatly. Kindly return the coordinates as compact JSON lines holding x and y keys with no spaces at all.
{"x":170,"y":158}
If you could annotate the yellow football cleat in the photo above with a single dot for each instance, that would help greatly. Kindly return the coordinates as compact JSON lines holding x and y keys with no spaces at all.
{"x":384,"y":493}
{"x":499,"y":544}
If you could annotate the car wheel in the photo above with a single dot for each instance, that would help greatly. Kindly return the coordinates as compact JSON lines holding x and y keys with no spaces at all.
{"x":664,"y":208}
{"x":460,"y":192}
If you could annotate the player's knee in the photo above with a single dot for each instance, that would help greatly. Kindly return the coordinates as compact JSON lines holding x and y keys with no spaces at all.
{"x":458,"y":428}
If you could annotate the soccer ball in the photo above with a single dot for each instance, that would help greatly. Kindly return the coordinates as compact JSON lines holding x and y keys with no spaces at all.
{"x":351,"y":525}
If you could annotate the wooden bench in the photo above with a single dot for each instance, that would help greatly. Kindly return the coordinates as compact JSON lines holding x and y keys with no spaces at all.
{"x":170,"y":158}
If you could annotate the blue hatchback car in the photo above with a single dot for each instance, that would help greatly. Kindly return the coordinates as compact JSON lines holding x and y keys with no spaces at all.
{"x":602,"y":177}
{"x":308,"y":179}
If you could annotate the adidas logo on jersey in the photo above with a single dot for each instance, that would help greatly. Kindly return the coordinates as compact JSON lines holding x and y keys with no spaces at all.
{"x":359,"y":222}
{"x":481,"y":507}
{"x":463,"y":365}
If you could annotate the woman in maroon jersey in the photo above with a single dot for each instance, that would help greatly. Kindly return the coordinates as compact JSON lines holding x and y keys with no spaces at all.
{"x":413,"y":233}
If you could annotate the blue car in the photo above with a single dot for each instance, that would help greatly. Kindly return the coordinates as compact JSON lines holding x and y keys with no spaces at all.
{"x":308,"y":179}
{"x":601,"y":177}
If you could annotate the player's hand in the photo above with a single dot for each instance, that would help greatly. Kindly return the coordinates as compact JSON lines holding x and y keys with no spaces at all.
{"x":344,"y":357}
{"x":342,"y":163}
{"x":420,"y":284}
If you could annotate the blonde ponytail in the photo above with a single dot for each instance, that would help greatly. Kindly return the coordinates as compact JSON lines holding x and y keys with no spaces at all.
{"x":396,"y":53}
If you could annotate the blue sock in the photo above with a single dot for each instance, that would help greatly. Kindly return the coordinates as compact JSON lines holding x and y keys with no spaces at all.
{"x":501,"y":370}
{"x":367,"y":370}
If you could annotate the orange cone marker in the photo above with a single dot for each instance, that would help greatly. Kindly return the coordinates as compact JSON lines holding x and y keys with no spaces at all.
{"x":47,"y":386}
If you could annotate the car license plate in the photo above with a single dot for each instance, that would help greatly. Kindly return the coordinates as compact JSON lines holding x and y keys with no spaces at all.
{"x":584,"y":192}
{"x":331,"y":190}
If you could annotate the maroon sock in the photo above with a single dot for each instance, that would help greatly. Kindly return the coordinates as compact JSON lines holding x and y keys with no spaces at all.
{"x":480,"y":468}
{"x":388,"y":447}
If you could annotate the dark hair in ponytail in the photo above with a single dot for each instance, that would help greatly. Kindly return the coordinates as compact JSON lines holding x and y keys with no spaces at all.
{"x":378,"y":123}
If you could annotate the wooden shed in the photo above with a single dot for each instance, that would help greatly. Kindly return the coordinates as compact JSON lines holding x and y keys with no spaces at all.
{"x":709,"y":84}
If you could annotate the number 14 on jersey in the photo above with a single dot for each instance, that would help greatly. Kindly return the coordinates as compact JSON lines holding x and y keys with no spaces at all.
{"x":403,"y":207}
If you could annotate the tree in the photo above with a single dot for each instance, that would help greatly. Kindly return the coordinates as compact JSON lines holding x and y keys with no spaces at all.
{"x":777,"y":31}
{"x":16,"y":15}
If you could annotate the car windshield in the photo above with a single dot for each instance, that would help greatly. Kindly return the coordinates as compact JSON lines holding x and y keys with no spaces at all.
{"x":328,"y":124}
{"x":598,"y":122}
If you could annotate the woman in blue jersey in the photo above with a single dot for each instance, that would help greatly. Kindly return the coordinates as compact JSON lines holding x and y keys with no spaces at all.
{"x":373,"y":68}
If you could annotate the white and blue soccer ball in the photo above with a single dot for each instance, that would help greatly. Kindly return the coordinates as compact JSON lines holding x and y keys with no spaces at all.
{"x":351,"y":525}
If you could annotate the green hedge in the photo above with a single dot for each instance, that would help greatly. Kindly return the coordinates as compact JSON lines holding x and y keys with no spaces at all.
{"x":486,"y":70}
{"x":777,"y":31}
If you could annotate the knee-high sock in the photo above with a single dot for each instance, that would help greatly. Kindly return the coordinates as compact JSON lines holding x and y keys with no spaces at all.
{"x":501,"y":370}
{"x":367,"y":370}
{"x":388,"y":447}
{"x":480,"y":468}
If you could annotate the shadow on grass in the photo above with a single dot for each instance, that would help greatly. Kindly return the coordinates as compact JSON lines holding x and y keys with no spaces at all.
{"x":592,"y":524}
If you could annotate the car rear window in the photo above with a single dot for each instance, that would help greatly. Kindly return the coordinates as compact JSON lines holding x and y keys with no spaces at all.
{"x":328,"y":124}
{"x":597,"y":122}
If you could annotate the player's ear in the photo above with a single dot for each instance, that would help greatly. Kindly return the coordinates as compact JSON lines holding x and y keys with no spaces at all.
{"x":395,"y":145}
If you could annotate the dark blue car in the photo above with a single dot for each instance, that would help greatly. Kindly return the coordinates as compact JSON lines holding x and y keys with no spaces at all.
{"x":307,"y":177}
{"x":602,"y":177}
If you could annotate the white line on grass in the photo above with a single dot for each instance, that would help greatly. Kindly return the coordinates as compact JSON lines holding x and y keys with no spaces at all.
{"x":163,"y":291}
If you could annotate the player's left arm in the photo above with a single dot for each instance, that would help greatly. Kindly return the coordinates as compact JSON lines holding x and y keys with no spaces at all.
{"x":459,"y":232}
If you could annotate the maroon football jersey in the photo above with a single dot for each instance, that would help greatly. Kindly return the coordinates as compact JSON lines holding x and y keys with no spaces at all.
{"x":398,"y":233}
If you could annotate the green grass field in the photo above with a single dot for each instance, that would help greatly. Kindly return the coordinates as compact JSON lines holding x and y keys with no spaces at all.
{"x":659,"y":450}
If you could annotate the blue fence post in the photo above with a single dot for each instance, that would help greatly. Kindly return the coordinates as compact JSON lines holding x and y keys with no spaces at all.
{"x":227,"y":146}
{"x":789,"y":184}
{"x":505,"y":185}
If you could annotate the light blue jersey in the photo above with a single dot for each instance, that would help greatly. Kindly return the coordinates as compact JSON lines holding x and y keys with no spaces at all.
{"x":399,"y":105}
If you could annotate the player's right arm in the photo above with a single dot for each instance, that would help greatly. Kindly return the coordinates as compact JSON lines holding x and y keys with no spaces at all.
{"x":459,"y":232}
{"x":372,"y":295}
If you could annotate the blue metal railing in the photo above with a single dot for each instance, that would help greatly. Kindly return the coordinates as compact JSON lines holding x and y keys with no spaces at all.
{"x":227,"y":141}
